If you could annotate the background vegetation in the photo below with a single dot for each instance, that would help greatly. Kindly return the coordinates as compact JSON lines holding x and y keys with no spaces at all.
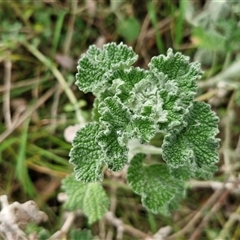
{"x":40,"y":43}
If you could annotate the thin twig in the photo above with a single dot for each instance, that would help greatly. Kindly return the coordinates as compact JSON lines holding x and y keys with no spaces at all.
{"x":237,"y":150}
{"x":28,"y":113}
{"x":208,"y":216}
{"x":113,"y":206}
{"x":70,"y":29}
{"x":197,"y":216}
{"x":46,"y":170}
{"x":232,"y":72}
{"x":140,"y":42}
{"x":224,"y":233}
{"x":23,"y":83}
{"x":215,"y":185}
{"x":67,"y":46}
{"x":207,"y":95}
{"x":54,"y":109}
{"x":102,"y":229}
{"x":6,"y":96}
{"x":163,"y":25}
{"x":65,"y":228}
{"x":227,"y":138}
{"x":19,"y":13}
{"x":125,"y":228}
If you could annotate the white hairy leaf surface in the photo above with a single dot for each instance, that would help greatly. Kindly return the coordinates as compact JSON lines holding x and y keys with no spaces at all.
{"x":179,"y":87}
{"x":185,"y":172}
{"x":159,"y":190}
{"x":96,"y":64}
{"x":118,"y":127}
{"x":123,"y":81}
{"x":134,"y":104}
{"x":87,"y":155}
{"x":195,"y":145}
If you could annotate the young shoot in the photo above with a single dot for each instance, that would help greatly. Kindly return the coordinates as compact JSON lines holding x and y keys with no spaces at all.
{"x":132,"y":105}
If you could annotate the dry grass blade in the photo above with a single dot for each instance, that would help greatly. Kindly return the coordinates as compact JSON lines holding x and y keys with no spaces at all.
{"x":28,"y":113}
{"x":6,"y":95}
{"x":190,"y":226}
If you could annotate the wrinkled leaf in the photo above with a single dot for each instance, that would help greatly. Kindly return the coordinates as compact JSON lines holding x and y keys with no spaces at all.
{"x":96,"y":64}
{"x":116,"y":155}
{"x":133,"y":105}
{"x":87,"y":155}
{"x":160,"y":191}
{"x":179,"y":86}
{"x":123,"y":81}
{"x":195,"y":145}
{"x":87,"y":197}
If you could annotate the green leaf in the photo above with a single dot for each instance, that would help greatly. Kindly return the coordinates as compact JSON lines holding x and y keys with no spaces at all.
{"x":195,"y":145}
{"x":114,"y":113}
{"x":178,"y":88}
{"x":41,"y":232}
{"x":114,"y":120}
{"x":118,"y":127}
{"x":181,"y":172}
{"x":144,"y":127}
{"x":95,"y":65}
{"x":160,"y":191}
{"x":205,"y":172}
{"x":146,"y":101}
{"x":116,"y":155}
{"x":115,"y":116}
{"x":87,"y":155}
{"x":129,"y":28}
{"x":87,"y":197}
{"x":228,"y":30}
{"x":138,"y":91}
{"x":178,"y":68}
{"x":79,"y":234}
{"x":123,"y":81}
{"x":133,"y":105}
{"x":209,"y":39}
{"x":185,"y":172}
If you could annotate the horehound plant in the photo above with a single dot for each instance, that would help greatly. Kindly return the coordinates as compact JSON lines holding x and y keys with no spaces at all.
{"x":131,"y":106}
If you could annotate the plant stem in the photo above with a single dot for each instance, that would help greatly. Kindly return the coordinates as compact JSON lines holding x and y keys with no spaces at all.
{"x":135,"y":147}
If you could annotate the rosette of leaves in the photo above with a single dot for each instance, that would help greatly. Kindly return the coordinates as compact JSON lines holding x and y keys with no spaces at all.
{"x":134,"y":103}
